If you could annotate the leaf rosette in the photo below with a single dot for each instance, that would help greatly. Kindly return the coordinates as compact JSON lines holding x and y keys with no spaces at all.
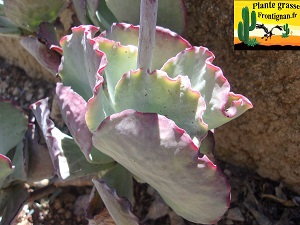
{"x":153,"y":121}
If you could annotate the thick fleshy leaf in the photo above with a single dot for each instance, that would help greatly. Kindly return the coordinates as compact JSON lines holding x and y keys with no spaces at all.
{"x":73,"y":109}
{"x":121,"y":59}
{"x":68,"y":160}
{"x":28,"y":14}
{"x":171,"y":13}
{"x":78,"y":165}
{"x":155,"y":149}
{"x":221,"y":105}
{"x":81,"y":61}
{"x":47,"y":34}
{"x":167,"y":43}
{"x":12,"y":200}
{"x":99,"y":14}
{"x":39,"y":161}
{"x":81,"y":11}
{"x":99,"y":106}
{"x":119,"y":208}
{"x":6,"y":168}
{"x":20,"y":164}
{"x":46,"y":57}
{"x":8,"y":28}
{"x":42,"y":113}
{"x":121,"y":179}
{"x":12,"y":127}
{"x":157,"y":93}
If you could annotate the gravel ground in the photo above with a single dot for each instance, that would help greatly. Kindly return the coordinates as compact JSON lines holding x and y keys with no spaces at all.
{"x":255,"y":200}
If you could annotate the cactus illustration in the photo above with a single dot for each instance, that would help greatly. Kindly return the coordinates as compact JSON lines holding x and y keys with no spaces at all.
{"x":287,"y":31}
{"x":243,"y":27}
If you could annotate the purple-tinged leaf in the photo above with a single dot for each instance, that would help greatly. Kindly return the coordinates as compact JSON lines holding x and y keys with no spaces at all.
{"x":206,"y":78}
{"x":82,"y":62}
{"x":153,"y":148}
{"x":48,"y":58}
{"x":6,"y":168}
{"x":157,"y":93}
{"x":42,"y":113}
{"x":68,"y":160}
{"x":12,"y":200}
{"x":119,"y":208}
{"x":167,"y":43}
{"x":39,"y":162}
{"x":12,"y":127}
{"x":73,"y":109}
{"x":47,"y":35}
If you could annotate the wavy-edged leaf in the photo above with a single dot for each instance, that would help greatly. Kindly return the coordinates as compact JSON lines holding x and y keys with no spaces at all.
{"x":6,"y":168}
{"x":98,"y":107}
{"x":154,"y":148}
{"x":167,"y":43}
{"x":119,"y":208}
{"x":81,"y":61}
{"x":42,"y":115}
{"x":73,"y":109}
{"x":49,"y":59}
{"x":206,"y":78}
{"x":12,"y":200}
{"x":171,"y":13}
{"x":28,"y":14}
{"x":156,"y":93}
{"x":121,"y":59}
{"x":12,"y":127}
{"x":68,"y":160}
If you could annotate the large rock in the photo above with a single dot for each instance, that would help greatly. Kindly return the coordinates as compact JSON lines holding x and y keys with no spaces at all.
{"x":266,"y":138}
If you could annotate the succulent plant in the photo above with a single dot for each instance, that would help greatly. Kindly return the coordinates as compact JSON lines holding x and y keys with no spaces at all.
{"x":153,"y":122}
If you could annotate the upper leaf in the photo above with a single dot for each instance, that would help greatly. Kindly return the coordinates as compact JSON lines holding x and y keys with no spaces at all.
{"x":81,"y":61}
{"x":157,"y":93}
{"x":167,"y":43}
{"x":153,"y":148}
{"x":221,"y":105}
{"x":13,"y":126}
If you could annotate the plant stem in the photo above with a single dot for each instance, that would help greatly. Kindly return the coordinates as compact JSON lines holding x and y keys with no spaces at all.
{"x":148,"y":16}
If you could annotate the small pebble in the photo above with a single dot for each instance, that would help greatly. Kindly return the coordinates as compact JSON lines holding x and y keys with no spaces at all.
{"x":57,"y":204}
{"x":61,"y":211}
{"x":235,"y":214}
{"x":29,"y":96}
{"x":68,"y":214}
{"x":16,"y":91}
